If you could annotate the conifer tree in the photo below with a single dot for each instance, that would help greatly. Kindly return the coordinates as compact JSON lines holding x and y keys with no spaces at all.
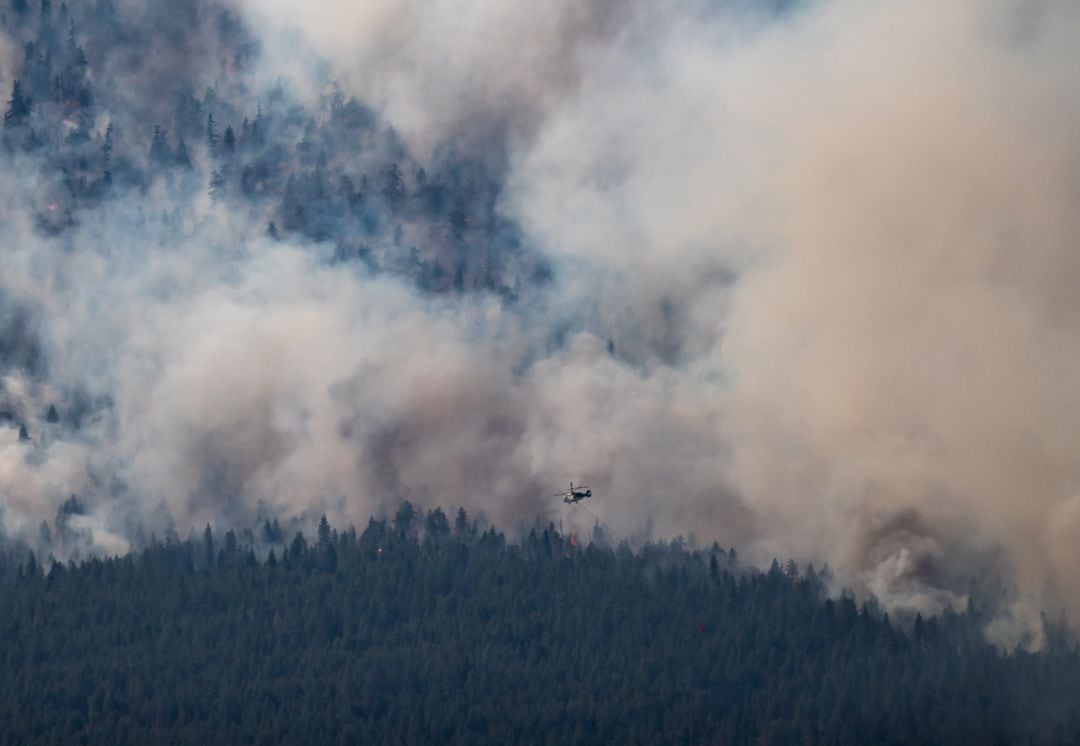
{"x":19,"y":106}
{"x":182,"y":158}
{"x":211,"y":134}
{"x":394,"y":186}
{"x":160,"y":153}
{"x":107,"y":147}
{"x":217,"y":186}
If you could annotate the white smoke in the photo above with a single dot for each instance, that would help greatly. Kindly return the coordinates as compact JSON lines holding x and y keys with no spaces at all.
{"x":814,"y":297}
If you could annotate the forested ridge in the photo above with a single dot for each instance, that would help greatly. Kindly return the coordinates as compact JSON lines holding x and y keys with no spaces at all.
{"x":153,"y":107}
{"x":416,"y":631}
{"x":232,"y":289}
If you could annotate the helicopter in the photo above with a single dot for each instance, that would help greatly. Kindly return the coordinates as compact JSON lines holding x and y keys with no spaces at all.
{"x":574,"y":494}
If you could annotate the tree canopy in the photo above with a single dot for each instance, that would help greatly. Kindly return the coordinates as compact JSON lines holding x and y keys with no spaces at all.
{"x":412,"y":632}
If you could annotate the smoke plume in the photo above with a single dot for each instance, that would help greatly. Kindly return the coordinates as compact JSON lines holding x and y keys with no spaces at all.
{"x":798,"y":277}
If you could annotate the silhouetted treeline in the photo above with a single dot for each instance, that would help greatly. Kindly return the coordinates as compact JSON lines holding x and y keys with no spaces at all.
{"x":425,"y":629}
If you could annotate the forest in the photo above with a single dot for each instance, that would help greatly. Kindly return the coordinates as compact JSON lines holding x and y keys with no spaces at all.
{"x":96,"y":115}
{"x":427,"y":629}
{"x":234,"y":296}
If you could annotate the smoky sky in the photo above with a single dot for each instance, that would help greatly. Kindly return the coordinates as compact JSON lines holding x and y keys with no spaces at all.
{"x":808,"y":289}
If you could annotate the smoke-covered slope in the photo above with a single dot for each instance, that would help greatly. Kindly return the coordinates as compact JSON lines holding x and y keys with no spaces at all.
{"x":154,"y":186}
{"x":794,"y":275}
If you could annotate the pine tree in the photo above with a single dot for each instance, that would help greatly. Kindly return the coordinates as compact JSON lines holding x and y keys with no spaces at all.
{"x":19,"y":106}
{"x":211,"y":134}
{"x":107,"y":147}
{"x":436,"y":525}
{"x":337,"y":101}
{"x":182,"y":158}
{"x":405,"y":519}
{"x":72,"y":44}
{"x":298,"y":547}
{"x":324,"y":532}
{"x":461,"y":523}
{"x":217,"y":186}
{"x":394,"y":186}
{"x":160,"y":153}
{"x":208,"y":546}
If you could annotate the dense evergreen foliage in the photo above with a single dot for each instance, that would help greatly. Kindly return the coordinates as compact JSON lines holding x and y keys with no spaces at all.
{"x":127,"y":125}
{"x":413,"y":632}
{"x":102,"y":116}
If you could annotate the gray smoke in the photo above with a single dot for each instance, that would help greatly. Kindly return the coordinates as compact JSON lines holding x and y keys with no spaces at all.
{"x":813,"y":296}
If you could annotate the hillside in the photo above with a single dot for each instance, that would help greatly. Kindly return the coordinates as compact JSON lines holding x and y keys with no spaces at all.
{"x":408,"y":633}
